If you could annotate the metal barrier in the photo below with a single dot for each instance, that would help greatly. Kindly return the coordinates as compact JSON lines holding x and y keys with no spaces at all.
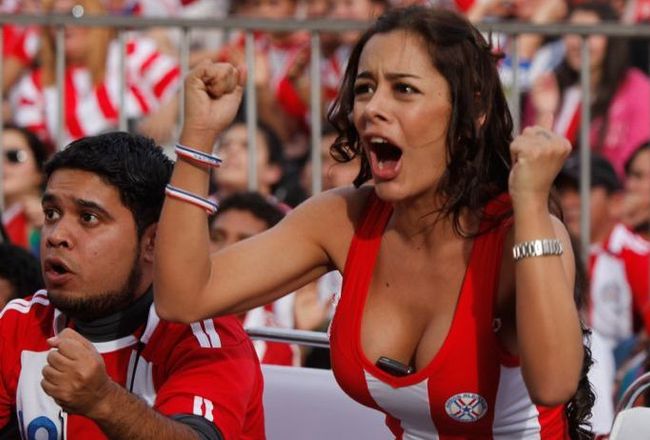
{"x":315,"y":27}
{"x":290,"y":336}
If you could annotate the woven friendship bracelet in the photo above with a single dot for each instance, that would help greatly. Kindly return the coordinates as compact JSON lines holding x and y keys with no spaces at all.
{"x":176,"y":193}
{"x":537,"y":248}
{"x":197,"y":156}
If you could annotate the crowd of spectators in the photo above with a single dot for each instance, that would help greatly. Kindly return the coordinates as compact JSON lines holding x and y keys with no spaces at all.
{"x":549,"y":81}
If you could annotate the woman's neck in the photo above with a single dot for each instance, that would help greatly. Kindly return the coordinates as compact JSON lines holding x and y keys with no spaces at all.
{"x":419,"y":220}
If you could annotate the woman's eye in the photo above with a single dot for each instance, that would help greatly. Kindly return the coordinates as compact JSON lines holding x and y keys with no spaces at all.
{"x":362,"y":89}
{"x":405,"y":88}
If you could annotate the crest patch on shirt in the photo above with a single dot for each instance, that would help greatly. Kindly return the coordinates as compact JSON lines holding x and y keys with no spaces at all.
{"x":466,"y":407}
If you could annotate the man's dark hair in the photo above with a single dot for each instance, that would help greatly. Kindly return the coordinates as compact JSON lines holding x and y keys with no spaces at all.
{"x":21,"y":269}
{"x":259,"y":206}
{"x":131,"y":163}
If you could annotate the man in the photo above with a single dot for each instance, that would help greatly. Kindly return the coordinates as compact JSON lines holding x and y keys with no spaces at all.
{"x":616,"y":298}
{"x":615,"y":303}
{"x":88,"y":358}
{"x":241,"y":216}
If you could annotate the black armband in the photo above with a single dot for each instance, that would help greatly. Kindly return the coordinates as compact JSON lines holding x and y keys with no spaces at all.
{"x":206,"y":429}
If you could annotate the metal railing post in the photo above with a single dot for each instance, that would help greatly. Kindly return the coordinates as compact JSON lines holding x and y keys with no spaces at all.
{"x":315,"y":107}
{"x":251,"y":111}
{"x":515,"y":99}
{"x":122,"y":122}
{"x":184,"y":59}
{"x":60,"y":87}
{"x":585,"y":153}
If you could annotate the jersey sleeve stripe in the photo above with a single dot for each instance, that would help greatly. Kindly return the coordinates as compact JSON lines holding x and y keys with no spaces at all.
{"x":200,"y":335}
{"x":22,"y":306}
{"x":215,"y":340}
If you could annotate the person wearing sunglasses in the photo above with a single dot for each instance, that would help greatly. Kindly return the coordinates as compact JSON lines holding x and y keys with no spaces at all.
{"x":22,"y":180}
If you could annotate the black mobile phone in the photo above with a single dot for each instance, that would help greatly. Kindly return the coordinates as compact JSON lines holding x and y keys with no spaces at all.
{"x":394,"y":367}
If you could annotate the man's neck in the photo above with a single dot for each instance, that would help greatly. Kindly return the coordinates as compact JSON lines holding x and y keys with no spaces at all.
{"x":119,"y":324}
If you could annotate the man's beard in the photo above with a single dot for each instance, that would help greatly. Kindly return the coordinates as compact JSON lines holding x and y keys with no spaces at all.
{"x":99,"y":305}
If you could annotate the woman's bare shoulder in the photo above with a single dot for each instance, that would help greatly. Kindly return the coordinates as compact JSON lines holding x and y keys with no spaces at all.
{"x":338,"y":205}
{"x":331,"y":217}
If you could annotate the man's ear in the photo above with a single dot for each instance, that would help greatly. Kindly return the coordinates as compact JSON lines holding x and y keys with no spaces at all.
{"x":147,"y":242}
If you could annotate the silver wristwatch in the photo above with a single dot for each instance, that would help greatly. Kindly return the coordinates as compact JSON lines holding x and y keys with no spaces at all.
{"x":537,"y":248}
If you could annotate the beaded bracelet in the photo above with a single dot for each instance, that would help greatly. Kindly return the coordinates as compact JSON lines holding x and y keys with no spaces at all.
{"x":197,"y":156}
{"x":176,"y":193}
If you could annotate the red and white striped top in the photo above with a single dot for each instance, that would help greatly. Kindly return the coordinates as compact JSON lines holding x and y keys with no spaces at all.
{"x":618,"y":273}
{"x":472,"y":388}
{"x":151,"y":79}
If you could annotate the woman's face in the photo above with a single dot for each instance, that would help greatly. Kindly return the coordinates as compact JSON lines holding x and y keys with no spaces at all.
{"x":402,"y":108}
{"x":233,"y":150}
{"x":20,"y":175}
{"x":597,"y":43}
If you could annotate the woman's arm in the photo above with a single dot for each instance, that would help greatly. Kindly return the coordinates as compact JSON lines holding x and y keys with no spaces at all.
{"x":191,"y":284}
{"x":549,"y":338}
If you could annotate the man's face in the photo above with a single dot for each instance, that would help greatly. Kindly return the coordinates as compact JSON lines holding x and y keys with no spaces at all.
{"x":232,"y":226}
{"x":601,"y":215}
{"x":90,"y":252}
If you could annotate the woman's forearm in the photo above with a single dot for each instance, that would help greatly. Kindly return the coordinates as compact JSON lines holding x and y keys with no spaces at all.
{"x":548,"y":328}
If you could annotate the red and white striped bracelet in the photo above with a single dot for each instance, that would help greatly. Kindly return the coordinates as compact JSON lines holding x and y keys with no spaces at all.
{"x":197,"y":156}
{"x":176,"y":193}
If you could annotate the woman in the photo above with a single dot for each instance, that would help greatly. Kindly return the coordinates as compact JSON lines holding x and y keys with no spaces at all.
{"x":431,"y":291}
{"x":22,"y":181}
{"x":620,"y":94}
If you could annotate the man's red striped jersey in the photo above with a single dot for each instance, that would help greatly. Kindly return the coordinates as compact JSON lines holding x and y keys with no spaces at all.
{"x":208,"y":368}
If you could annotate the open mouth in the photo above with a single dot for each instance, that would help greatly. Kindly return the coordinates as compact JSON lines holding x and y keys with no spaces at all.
{"x":56,"y":268}
{"x":385,"y":158}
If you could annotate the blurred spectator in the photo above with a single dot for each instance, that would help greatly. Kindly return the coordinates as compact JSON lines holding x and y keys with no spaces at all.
{"x":535,"y":57}
{"x":19,"y":48}
{"x":617,"y":294}
{"x":636,"y":207}
{"x":232,"y":176}
{"x":278,"y":103}
{"x":203,"y":42}
{"x":336,"y":58}
{"x":22,"y":182}
{"x":334,"y":174}
{"x":92,"y":82}
{"x":616,"y":253}
{"x":241,"y":216}
{"x":620,"y":107}
{"x":20,"y":273}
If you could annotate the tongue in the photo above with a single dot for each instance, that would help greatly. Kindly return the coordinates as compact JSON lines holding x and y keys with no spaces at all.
{"x":385,"y":169}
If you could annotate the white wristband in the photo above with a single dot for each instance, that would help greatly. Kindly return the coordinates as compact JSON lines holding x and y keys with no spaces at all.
{"x":537,"y":248}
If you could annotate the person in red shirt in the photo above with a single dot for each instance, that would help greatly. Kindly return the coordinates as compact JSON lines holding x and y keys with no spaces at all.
{"x":89,"y":357}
